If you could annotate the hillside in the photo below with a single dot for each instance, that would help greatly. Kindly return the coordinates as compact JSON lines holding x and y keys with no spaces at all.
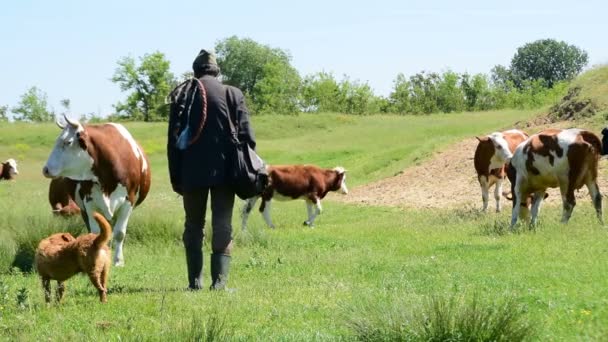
{"x":587,"y":97}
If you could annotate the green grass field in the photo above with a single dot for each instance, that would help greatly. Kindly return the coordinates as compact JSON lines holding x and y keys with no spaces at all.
{"x":378,"y":265}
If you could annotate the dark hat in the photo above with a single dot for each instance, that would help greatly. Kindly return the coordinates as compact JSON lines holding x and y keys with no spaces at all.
{"x":204,"y":57}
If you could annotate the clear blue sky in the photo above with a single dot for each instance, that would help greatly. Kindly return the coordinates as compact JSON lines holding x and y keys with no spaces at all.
{"x":69,"y":49}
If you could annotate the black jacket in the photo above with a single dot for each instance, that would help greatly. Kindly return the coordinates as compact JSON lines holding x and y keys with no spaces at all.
{"x":204,"y":163}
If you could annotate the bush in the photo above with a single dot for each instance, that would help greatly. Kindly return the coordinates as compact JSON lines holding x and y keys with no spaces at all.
{"x":443,"y":319}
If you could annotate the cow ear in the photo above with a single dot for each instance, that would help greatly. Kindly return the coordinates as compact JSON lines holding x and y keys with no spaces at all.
{"x":67,"y":237}
{"x":482,"y":139}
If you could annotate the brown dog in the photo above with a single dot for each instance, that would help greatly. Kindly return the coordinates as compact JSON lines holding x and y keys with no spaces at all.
{"x":60,"y":256}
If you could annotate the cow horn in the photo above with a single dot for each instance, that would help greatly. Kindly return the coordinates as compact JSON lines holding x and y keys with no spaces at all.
{"x":60,"y":124}
{"x":73,"y":123}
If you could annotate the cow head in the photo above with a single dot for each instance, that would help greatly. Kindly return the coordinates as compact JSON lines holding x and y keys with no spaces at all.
{"x":502,"y":153}
{"x":69,"y":158}
{"x":340,"y":184}
{"x":9,"y":169}
{"x":605,"y":141}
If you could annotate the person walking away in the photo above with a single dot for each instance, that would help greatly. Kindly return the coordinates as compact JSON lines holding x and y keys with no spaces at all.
{"x":198,"y":151}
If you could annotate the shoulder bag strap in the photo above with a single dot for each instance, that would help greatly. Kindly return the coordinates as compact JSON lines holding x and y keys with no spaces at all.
{"x":233,"y":129}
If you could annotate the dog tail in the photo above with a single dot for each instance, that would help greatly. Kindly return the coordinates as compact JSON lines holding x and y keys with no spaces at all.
{"x":106,"y":230}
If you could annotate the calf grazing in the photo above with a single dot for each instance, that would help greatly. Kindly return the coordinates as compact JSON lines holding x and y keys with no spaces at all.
{"x":567,"y":159}
{"x":61,"y":197}
{"x":111,"y":172}
{"x":289,"y":182}
{"x":8,"y":169}
{"x":492,"y":153}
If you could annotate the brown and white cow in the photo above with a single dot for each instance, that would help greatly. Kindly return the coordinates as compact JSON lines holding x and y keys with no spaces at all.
{"x":567,"y":159}
{"x":62,"y":194}
{"x":491,"y":155}
{"x":111,"y":170}
{"x":289,"y":182}
{"x":8,"y":169}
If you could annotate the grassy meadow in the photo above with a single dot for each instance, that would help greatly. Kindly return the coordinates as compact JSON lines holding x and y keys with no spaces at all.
{"x":367,"y":273}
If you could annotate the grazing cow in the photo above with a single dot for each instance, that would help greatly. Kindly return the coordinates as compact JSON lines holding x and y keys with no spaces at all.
{"x":567,"y":159}
{"x":61,"y":197}
{"x":290,"y":182}
{"x":111,"y":170}
{"x":8,"y":169}
{"x":492,"y":153}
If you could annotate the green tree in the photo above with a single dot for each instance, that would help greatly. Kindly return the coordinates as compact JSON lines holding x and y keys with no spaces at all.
{"x":423,"y":94}
{"x":547,"y":60}
{"x":33,"y":107}
{"x":399,"y":98}
{"x":321,"y":93}
{"x":3,"y":113}
{"x":148,"y":84}
{"x":244,"y":63}
{"x":449,"y":95}
{"x":278,"y":91}
{"x":357,"y":98}
{"x":501,"y":76}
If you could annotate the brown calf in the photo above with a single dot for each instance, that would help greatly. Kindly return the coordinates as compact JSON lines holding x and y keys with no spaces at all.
{"x":61,"y":197}
{"x":289,"y":182}
{"x":492,"y":152}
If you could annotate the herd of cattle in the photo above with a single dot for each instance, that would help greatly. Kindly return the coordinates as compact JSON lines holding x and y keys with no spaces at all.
{"x":554,"y":158}
{"x":101,"y":168}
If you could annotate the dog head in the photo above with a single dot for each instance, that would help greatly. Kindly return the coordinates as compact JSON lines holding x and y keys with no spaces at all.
{"x":61,"y":238}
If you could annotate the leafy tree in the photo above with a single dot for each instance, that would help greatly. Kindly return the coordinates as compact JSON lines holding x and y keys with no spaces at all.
{"x":423,"y":93}
{"x":399,"y":98}
{"x":357,"y":98}
{"x":477,"y":93}
{"x":320,"y":93}
{"x":33,"y":107}
{"x":243,"y":63}
{"x":148,"y":83}
{"x":278,"y":91}
{"x":449,"y":95}
{"x":548,"y":60}
{"x":501,"y":76}
{"x":3,"y":113}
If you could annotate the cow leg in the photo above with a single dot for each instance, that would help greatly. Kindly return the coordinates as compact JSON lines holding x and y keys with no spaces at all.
{"x":569,"y":201}
{"x":120,"y":231}
{"x":309,"y":210}
{"x":247,"y":207}
{"x":46,"y":286}
{"x":92,"y":225}
{"x":315,"y":213}
{"x":60,"y":291}
{"x":498,"y":193}
{"x":485,"y":191}
{"x":596,"y":197}
{"x":266,"y":213}
{"x":537,"y":201}
{"x":517,"y":200}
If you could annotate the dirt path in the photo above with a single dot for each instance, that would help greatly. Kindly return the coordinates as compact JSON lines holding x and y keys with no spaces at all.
{"x":446,"y":180}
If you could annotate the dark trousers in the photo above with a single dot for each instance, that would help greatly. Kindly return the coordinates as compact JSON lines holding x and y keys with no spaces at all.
{"x":195,"y":206}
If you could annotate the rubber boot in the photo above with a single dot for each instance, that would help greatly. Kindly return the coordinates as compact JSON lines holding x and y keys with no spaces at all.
{"x":220,"y":267}
{"x":194,"y":261}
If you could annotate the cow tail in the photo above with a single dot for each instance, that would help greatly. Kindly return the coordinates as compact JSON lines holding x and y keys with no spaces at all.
{"x":106,"y":230}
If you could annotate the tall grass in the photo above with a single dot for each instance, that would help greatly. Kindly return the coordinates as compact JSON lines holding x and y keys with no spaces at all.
{"x":442,"y":318}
